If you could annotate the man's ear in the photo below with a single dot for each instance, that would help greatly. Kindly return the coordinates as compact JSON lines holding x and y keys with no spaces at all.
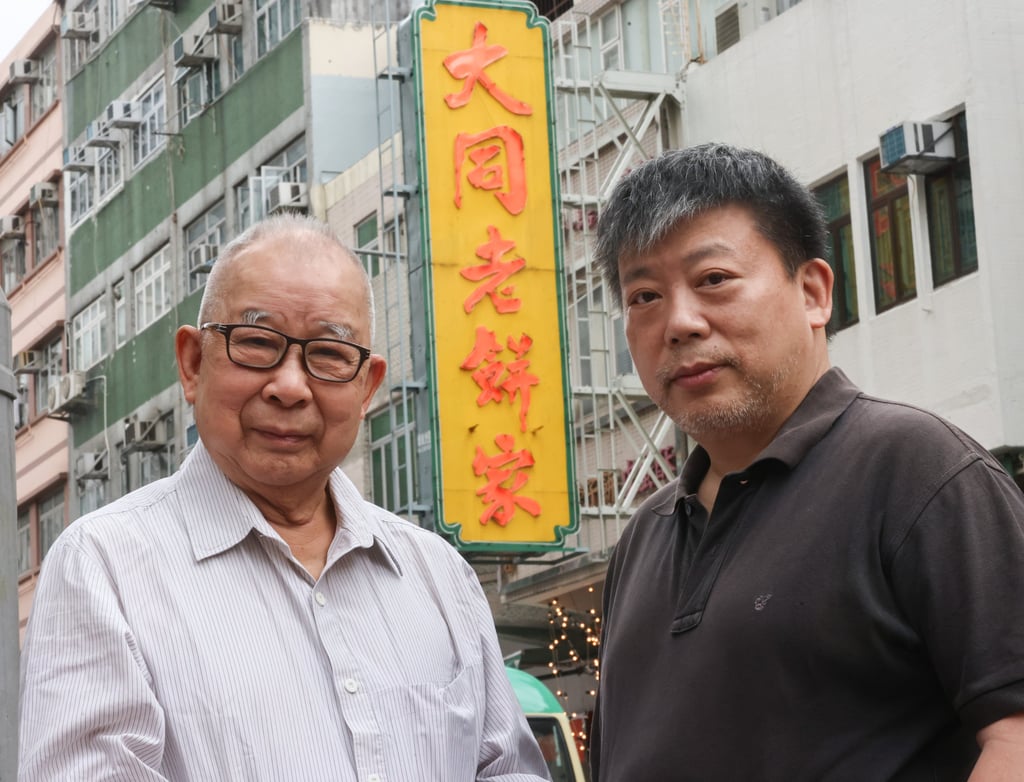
{"x":188,"y":351}
{"x":378,"y":367}
{"x":816,"y":279}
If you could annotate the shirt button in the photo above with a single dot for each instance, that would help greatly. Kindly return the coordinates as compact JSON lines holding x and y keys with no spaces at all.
{"x":320,"y":599}
{"x":373,"y":778}
{"x":351,"y":685}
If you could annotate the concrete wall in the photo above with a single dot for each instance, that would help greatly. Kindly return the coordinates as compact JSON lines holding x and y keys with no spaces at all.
{"x":814,"y":88}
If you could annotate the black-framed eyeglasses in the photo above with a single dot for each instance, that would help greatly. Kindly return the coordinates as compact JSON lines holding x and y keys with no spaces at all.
{"x":261,"y":347}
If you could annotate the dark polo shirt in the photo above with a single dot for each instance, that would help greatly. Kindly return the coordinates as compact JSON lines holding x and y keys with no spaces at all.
{"x":852,"y":610}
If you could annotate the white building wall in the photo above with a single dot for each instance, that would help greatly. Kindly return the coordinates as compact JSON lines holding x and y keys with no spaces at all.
{"x":814,"y":88}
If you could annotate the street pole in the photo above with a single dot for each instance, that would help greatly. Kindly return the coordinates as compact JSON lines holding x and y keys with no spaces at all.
{"x":8,"y":558}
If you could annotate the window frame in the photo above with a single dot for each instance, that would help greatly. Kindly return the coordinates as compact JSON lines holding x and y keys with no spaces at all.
{"x":838,"y":223}
{"x":886,"y":203}
{"x":31,"y":518}
{"x":89,"y":334}
{"x":963,"y":247}
{"x":149,"y":137}
{"x":152,"y":289}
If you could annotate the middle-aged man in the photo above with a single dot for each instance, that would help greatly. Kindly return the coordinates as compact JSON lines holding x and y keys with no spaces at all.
{"x":833,"y":589}
{"x":252,"y":617}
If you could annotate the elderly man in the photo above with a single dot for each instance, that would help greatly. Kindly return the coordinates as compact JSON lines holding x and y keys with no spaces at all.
{"x":252,"y":617}
{"x":833,"y":590}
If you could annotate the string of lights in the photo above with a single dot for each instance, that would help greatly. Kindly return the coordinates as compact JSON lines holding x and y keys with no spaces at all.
{"x":574,"y":646}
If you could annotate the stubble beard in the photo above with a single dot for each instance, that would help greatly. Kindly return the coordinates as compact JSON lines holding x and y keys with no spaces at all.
{"x":749,"y":410}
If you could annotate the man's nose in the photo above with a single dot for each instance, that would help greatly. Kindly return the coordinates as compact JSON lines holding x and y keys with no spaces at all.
{"x":685,"y":318}
{"x":290,"y":382}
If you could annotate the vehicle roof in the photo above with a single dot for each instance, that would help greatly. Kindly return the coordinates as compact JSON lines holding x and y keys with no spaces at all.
{"x":533,"y":696}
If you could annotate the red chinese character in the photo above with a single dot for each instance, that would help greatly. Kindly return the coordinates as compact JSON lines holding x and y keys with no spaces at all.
{"x":505,"y":475}
{"x":468,"y":65}
{"x":495,"y":272}
{"x":483,"y":358}
{"x":492,"y":177}
{"x":519,"y":381}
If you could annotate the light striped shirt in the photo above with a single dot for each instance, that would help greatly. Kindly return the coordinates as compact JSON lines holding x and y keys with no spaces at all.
{"x":175,"y":637}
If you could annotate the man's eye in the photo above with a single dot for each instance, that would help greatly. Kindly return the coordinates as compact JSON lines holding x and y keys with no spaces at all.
{"x":642,"y":297}
{"x":715,"y":278}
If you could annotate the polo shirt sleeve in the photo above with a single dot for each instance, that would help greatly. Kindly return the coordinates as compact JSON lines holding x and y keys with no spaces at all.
{"x":87,"y":709}
{"x":958,"y":574}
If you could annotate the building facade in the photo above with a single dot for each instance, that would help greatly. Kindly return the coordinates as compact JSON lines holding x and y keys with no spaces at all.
{"x":33,"y":262}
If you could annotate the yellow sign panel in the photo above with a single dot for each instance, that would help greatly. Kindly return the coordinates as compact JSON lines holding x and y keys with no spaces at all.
{"x":501,"y":438}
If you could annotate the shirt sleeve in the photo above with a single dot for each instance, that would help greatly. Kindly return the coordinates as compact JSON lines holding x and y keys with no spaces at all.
{"x":508,"y":750}
{"x":88,"y":710}
{"x":959,"y":576}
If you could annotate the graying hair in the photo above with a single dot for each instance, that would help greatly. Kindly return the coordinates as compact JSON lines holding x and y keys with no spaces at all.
{"x":648,"y":203}
{"x":293,"y":226}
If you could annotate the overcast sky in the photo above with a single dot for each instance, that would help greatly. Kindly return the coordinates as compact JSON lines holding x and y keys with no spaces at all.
{"x":15,"y":19}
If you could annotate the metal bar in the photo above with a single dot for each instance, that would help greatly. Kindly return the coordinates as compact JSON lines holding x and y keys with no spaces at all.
{"x":8,"y":558}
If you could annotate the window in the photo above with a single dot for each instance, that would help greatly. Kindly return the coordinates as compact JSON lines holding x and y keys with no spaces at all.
{"x":203,"y":239}
{"x":79,"y":195}
{"x":45,"y":232}
{"x":152,"y":283}
{"x":251,"y":196}
{"x":274,"y":20}
{"x":39,"y":524}
{"x":393,"y":457}
{"x":50,"y":374}
{"x":51,"y":521}
{"x":21,"y":402}
{"x":834,"y":197}
{"x":148,"y":137}
{"x":892,"y":252}
{"x":108,"y":171}
{"x":88,"y":339}
{"x":197,"y":90}
{"x":24,"y":541}
{"x":120,"y":313}
{"x":951,"y":213}
{"x":611,"y":41}
{"x":44,"y":91}
{"x":81,"y":49}
{"x":12,"y":119}
{"x":12,"y":257}
{"x":373,"y":255}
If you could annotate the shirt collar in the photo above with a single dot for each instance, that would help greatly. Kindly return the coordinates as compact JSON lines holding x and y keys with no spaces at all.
{"x":806,"y":427}
{"x":218,"y":515}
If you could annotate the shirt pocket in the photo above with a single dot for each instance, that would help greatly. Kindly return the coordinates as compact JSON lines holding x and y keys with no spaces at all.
{"x":432,"y":731}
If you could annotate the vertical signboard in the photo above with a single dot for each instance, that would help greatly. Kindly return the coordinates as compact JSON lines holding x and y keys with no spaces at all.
{"x":499,"y":381}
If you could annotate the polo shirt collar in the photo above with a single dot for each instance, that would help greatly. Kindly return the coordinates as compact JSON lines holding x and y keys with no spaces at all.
{"x":825,"y":402}
{"x":218,"y":515}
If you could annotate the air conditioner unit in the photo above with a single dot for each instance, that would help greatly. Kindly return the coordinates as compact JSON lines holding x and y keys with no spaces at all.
{"x":24,"y":71}
{"x":97,"y":134}
{"x":286,"y":196}
{"x":12,"y":227}
{"x":28,"y":361}
{"x":53,"y":398}
{"x":43,"y":194}
{"x":91,"y":465}
{"x":72,"y":388}
{"x":190,"y":51}
{"x":201,"y":258}
{"x":916,"y":147}
{"x":142,"y":434}
{"x":225,"y":18}
{"x":124,"y":114}
{"x":79,"y":159}
{"x":78,"y":24}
